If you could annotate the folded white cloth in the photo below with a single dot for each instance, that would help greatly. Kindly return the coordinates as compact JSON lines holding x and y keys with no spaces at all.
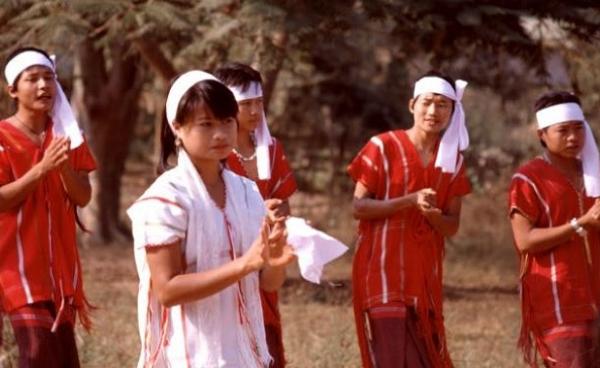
{"x":313,"y":248}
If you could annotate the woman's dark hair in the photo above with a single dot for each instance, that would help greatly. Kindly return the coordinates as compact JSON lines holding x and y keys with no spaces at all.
{"x":238,"y":75}
{"x":210,"y":93}
{"x":554,"y":98}
{"x":21,"y":50}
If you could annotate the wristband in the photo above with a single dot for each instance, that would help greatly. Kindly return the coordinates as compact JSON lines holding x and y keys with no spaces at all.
{"x":578,"y":228}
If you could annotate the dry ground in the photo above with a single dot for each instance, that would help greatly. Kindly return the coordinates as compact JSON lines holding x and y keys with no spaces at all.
{"x":481,"y":309}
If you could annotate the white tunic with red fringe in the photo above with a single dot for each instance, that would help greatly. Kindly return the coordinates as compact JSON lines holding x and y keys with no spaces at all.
{"x":225,"y":329}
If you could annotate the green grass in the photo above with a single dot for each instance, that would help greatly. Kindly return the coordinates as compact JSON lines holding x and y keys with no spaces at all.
{"x":481,"y":307}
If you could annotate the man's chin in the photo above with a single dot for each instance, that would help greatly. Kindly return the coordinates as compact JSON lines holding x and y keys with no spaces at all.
{"x":434,"y":130}
{"x":249,"y":127}
{"x":570,"y":154}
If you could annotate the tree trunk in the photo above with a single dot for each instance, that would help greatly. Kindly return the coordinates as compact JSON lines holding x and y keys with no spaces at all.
{"x":164,"y":68}
{"x":269,"y":60}
{"x":111,"y":105}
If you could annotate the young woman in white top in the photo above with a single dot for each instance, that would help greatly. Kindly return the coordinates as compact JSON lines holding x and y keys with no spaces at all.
{"x":203,"y":246}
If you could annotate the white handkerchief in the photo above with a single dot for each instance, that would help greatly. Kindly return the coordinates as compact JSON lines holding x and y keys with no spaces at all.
{"x":313,"y":248}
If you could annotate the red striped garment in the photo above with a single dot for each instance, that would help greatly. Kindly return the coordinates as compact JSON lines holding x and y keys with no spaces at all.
{"x":399,"y":258}
{"x":39,"y":260}
{"x":559,"y":287}
{"x":281,"y":185}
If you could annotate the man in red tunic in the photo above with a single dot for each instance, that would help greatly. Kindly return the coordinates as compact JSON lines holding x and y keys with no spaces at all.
{"x":409,"y":186}
{"x":44,"y":166}
{"x":261,"y":158}
{"x":554,"y":211}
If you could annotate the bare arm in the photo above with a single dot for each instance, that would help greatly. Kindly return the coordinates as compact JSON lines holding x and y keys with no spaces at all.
{"x":12,"y":194}
{"x":530,"y":239}
{"x":171,"y":286}
{"x":444,"y":222}
{"x":364,"y":207}
{"x":76,"y":184}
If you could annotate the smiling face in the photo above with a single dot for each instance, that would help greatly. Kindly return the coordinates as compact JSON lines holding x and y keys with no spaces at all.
{"x":35,"y":89}
{"x":564,"y":139}
{"x":205,"y":137}
{"x":431,"y":112}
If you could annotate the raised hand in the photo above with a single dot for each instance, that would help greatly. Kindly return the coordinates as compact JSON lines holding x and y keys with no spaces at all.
{"x":257,"y":255}
{"x":592,"y":216}
{"x":275,"y":210}
{"x":426,"y":199}
{"x":56,"y":155}
{"x":280,"y":253}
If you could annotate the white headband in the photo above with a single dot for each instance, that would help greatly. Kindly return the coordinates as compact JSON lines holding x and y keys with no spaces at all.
{"x":590,"y":159}
{"x":63,"y":119}
{"x":180,"y":87}
{"x":434,"y":85}
{"x":456,"y":137}
{"x":263,"y":136}
{"x":23,"y":61}
{"x":254,"y":90}
{"x":557,"y":114}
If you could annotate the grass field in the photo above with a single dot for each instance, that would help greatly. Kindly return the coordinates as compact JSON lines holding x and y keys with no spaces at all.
{"x":481,"y":305}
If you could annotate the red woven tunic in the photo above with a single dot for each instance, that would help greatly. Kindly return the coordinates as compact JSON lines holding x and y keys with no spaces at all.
{"x":281,"y":185}
{"x":560,"y":286}
{"x":399,"y":258}
{"x":39,"y":260}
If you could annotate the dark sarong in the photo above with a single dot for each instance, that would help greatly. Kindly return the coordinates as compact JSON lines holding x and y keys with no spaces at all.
{"x":38,"y":345}
{"x":394,"y":341}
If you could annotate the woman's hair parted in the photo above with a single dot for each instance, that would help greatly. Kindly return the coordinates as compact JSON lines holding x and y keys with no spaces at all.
{"x":209,"y":93}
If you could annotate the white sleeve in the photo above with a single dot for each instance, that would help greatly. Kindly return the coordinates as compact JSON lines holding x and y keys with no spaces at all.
{"x":157,"y":221}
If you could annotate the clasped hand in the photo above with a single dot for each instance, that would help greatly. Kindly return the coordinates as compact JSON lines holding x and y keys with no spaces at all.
{"x":270,"y":249}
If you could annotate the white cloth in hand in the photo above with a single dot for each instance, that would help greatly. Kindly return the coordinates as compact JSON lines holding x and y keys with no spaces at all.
{"x":313,"y":248}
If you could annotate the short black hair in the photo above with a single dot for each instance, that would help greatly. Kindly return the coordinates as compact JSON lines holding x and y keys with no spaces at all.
{"x":214,"y":94}
{"x":555,"y":98}
{"x":238,"y":75}
{"x":437,"y":73}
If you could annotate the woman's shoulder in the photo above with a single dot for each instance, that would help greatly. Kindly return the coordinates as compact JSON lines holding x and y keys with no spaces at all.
{"x":238,"y":181}
{"x":168,"y":187}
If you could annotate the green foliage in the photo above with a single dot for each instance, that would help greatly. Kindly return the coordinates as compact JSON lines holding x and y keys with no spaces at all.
{"x":347,"y":62}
